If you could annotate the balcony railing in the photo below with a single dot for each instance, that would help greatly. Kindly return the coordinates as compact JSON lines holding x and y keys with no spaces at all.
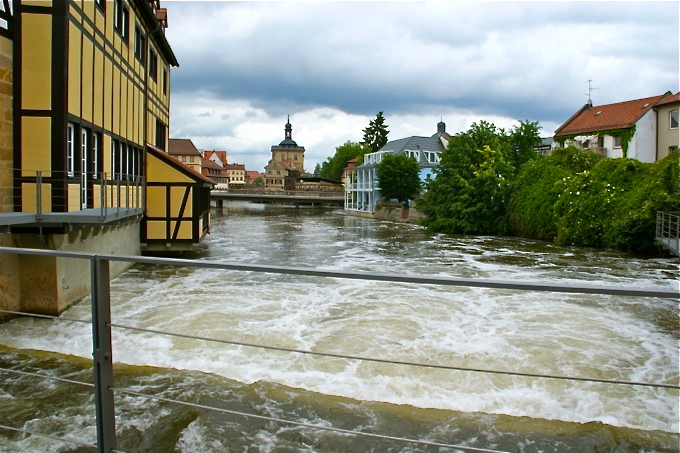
{"x":49,"y":197}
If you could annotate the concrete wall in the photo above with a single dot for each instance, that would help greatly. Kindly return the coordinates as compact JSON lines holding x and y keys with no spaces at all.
{"x":6,"y":141}
{"x":49,"y":285}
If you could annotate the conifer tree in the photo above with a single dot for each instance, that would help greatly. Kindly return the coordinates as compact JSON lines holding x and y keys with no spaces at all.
{"x":375,"y":135}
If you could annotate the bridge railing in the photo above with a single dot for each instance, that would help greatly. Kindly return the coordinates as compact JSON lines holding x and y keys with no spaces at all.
{"x":102,"y":325}
{"x":668,"y":230}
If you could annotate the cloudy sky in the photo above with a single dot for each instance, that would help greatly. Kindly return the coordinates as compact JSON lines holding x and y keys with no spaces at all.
{"x":331,"y":66}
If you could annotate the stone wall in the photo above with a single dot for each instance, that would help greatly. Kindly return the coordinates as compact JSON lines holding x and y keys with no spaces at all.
{"x":49,"y":285}
{"x":6,"y":149}
{"x":392,"y":213}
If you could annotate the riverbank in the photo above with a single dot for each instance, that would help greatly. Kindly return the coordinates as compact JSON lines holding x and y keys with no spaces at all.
{"x":392,"y":212}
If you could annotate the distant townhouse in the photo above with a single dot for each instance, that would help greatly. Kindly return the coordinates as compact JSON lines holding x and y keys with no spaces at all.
{"x":623,"y":129}
{"x":362,"y":192}
{"x":215,"y":172}
{"x":236,"y":174}
{"x":254,"y":177}
{"x":184,"y":150}
{"x":219,"y":157}
{"x":286,"y":164}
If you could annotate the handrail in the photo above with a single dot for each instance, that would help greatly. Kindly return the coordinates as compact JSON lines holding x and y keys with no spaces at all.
{"x":102,"y":326}
{"x":668,"y":230}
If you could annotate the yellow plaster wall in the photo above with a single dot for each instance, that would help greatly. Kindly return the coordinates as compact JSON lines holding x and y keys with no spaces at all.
{"x":36,"y":63}
{"x":98,"y":92}
{"x":29,"y":199}
{"x":176,"y":196}
{"x":87,"y":78}
{"x":155,"y":201}
{"x":184,"y":229}
{"x":158,"y":171}
{"x":155,"y":229}
{"x":73,"y":199}
{"x":36,"y":145}
{"x":74,"y":43}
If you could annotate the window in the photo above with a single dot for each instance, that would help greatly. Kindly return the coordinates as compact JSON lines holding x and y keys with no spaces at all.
{"x":294,"y":156}
{"x":71,"y":149}
{"x":153,"y":65}
{"x":283,"y":157}
{"x":160,"y":135}
{"x":673,"y":117}
{"x":96,"y":152}
{"x":184,"y":158}
{"x":121,"y":17}
{"x":165,"y":82}
{"x":116,"y":160}
{"x":617,"y":142}
{"x":140,"y":45}
{"x":101,"y":4}
{"x":600,"y":141}
{"x":84,"y":166}
{"x":413,"y":154}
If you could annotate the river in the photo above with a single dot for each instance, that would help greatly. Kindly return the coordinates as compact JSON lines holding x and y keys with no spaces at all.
{"x":601,"y":337}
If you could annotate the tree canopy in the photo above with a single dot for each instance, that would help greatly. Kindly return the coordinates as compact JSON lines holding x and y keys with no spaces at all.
{"x":398,"y":178}
{"x":471,"y":190}
{"x":333,"y":166}
{"x":375,"y":135}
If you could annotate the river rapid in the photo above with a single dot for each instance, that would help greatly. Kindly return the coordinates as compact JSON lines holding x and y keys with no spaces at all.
{"x":601,"y":337}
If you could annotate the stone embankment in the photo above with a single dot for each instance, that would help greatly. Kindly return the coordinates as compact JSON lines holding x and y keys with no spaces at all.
{"x":393,"y":213}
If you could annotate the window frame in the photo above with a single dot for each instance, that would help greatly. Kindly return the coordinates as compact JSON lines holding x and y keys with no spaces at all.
{"x":153,"y":64}
{"x":121,"y":19}
{"x":140,"y":45}
{"x":70,"y":149}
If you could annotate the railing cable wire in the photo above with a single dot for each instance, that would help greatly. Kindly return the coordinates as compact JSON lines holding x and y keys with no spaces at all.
{"x":61,"y":439}
{"x":306,"y":425}
{"x":49,"y":378}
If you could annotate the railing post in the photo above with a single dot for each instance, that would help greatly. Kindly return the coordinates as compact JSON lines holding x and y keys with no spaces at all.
{"x":102,"y":357}
{"x":102,"y":195}
{"x":38,"y":195}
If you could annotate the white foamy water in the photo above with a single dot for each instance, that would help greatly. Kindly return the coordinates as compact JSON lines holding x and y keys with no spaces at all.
{"x":602,"y":337}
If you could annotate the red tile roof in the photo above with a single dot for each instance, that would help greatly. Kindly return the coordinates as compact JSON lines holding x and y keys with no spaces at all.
{"x":182,"y":146}
{"x":620,"y":115}
{"x":669,"y":99}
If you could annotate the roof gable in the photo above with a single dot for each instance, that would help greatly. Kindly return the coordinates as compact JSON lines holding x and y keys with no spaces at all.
{"x":182,"y":146}
{"x":620,"y":115}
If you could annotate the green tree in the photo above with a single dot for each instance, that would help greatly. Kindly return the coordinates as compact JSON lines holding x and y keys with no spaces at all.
{"x":375,"y":135}
{"x":398,"y":178}
{"x":524,"y":138}
{"x":472,"y":187}
{"x":333,"y":166}
{"x":317,"y":170}
{"x":259,"y":181}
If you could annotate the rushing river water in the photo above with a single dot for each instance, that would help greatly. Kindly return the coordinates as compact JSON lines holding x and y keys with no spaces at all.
{"x":601,"y":337}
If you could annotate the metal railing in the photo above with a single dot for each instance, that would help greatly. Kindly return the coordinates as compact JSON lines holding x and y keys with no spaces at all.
{"x":102,"y":326}
{"x":33,"y":192}
{"x":668,"y":230}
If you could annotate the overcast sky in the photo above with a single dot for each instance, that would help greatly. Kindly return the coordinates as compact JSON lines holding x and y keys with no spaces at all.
{"x":331,"y":66}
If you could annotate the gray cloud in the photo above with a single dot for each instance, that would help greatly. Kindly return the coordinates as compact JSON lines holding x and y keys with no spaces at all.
{"x":260,"y":61}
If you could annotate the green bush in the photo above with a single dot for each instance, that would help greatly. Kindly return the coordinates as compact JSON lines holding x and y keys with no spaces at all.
{"x":578,"y":198}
